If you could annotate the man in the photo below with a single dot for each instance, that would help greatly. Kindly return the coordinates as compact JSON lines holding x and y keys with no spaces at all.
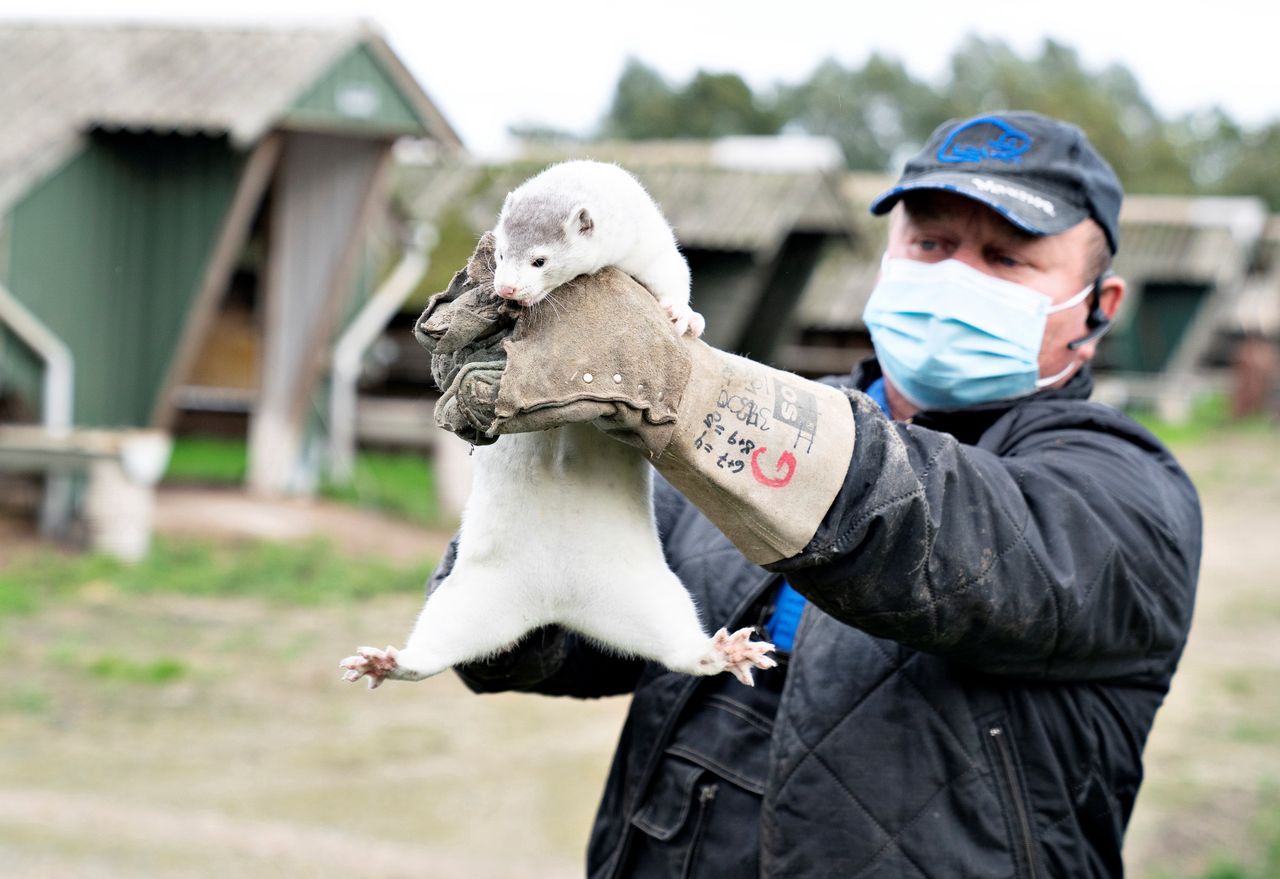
{"x":981,"y":582}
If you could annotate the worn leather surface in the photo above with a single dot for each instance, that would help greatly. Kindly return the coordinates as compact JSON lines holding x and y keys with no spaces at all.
{"x":569,"y":359}
{"x":762,"y":452}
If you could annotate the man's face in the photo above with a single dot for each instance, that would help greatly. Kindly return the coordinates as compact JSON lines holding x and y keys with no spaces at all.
{"x":931,"y":226}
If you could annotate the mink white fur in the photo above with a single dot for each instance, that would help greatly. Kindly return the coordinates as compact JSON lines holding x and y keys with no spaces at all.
{"x":559,"y":526}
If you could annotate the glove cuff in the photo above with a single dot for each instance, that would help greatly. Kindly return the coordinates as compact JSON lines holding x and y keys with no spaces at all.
{"x":761,"y":452}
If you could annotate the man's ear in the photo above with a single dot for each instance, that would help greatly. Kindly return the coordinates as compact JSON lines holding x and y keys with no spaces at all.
{"x":580,"y":222}
{"x":1109,"y":298}
{"x":1112,"y":293}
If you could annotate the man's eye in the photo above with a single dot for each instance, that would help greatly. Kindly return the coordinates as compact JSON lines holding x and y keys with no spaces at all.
{"x":927,"y":244}
{"x":539,"y":262}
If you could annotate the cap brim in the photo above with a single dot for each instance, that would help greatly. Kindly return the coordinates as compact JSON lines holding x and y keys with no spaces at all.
{"x":1028,"y":213}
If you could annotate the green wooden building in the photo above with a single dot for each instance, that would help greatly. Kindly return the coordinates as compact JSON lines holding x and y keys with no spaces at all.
{"x":185,"y":211}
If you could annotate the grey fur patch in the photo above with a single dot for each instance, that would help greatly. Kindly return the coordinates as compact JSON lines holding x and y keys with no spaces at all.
{"x":535,"y":221}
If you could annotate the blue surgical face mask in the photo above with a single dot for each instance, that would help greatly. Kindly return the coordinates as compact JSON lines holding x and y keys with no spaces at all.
{"x":950,"y":336}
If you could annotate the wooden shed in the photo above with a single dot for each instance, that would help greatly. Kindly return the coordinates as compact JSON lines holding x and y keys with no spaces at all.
{"x":1188,"y":260}
{"x":184,"y":210}
{"x":752,"y":216}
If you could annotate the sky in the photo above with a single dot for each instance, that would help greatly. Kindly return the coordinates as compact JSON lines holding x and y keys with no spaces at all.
{"x":494,"y":63}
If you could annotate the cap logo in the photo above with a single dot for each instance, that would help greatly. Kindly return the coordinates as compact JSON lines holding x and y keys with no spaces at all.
{"x":985,"y":138}
{"x":995,"y":187}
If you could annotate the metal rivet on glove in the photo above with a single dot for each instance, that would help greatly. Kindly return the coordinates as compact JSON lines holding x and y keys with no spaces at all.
{"x":617,"y":378}
{"x":587,"y":377}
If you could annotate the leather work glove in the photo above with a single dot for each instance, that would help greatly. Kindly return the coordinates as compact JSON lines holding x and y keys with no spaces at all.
{"x":761,"y":452}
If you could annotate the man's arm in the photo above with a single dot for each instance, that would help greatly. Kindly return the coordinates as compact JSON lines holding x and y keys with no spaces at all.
{"x":1070,"y":551}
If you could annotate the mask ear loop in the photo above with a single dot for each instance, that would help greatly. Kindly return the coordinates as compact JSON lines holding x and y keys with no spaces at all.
{"x":1097,"y":320}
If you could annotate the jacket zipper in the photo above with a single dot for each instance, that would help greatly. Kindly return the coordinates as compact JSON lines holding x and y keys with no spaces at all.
{"x":1015,"y":791}
{"x":706,"y":794}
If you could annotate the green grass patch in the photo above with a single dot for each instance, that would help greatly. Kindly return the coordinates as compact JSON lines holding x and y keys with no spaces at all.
{"x":208,"y":460}
{"x":289,"y":573}
{"x":1256,"y":731}
{"x":1266,"y":863}
{"x":25,"y":700}
{"x":1239,"y":682}
{"x":114,"y":667}
{"x":400,"y":483}
{"x":1210,"y":417}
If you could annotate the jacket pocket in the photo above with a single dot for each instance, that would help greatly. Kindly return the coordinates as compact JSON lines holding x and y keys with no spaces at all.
{"x":1008,"y":780}
{"x":674,"y":818}
{"x":701,"y":814}
{"x":669,"y":802}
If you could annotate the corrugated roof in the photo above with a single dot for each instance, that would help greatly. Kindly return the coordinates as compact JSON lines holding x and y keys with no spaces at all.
{"x":709,"y":207}
{"x":59,"y":81}
{"x":840,"y":284}
{"x":1162,"y":238}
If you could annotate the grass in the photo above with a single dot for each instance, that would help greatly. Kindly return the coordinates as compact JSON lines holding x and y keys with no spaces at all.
{"x":297,"y":574}
{"x":1267,"y":833}
{"x":208,"y":460}
{"x":121,"y":668}
{"x":400,"y":483}
{"x":1210,"y":418}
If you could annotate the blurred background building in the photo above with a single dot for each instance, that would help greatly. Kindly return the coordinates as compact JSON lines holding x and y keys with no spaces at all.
{"x":189,"y":219}
{"x":229,"y":232}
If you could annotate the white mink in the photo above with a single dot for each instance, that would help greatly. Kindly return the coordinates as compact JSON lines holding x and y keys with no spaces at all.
{"x":577,"y":217}
{"x":559,"y":529}
{"x":559,"y":526}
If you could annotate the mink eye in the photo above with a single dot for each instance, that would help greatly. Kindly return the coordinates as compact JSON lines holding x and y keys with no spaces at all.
{"x":539,"y":262}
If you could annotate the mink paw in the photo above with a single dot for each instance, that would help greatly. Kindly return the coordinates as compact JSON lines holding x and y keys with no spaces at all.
{"x":685,"y":318}
{"x":738,"y":654}
{"x":377,"y":665}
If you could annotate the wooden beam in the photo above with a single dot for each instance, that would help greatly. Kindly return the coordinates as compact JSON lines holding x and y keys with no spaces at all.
{"x":326,"y":326}
{"x":253,"y":184}
{"x":327,"y":189}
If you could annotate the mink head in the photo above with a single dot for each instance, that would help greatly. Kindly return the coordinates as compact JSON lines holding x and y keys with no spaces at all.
{"x":541,"y":241}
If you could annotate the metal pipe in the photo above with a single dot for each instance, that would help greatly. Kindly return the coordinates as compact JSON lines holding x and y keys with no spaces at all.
{"x":349,"y":351}
{"x":59,"y":373}
{"x":57,"y":403}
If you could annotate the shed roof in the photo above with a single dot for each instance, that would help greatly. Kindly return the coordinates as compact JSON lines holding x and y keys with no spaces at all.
{"x":59,"y":81}
{"x":1194,"y":239}
{"x":709,"y":205}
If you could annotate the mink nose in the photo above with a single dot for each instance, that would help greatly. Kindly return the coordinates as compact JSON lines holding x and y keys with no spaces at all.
{"x":507,"y":292}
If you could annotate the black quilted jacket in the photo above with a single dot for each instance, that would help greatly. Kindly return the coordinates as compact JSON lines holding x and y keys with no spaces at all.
{"x":998,"y":600}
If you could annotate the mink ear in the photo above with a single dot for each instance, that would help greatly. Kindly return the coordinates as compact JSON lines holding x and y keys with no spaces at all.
{"x":580,"y":221}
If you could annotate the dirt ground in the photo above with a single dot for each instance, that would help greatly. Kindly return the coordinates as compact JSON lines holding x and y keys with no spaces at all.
{"x":1212,"y":787}
{"x":258,"y":761}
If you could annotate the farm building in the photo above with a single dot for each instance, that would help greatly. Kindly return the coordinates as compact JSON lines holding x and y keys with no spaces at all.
{"x":183,"y":218}
{"x":752,"y":215}
{"x":1195,"y":272}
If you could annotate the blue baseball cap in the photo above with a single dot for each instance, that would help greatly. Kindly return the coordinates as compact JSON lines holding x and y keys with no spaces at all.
{"x":1040,"y":174}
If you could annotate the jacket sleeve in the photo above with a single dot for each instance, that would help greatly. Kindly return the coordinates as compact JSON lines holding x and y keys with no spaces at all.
{"x":549,"y":660}
{"x":1066,"y":548}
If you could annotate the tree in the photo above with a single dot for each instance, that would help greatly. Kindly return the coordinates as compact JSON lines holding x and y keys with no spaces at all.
{"x":719,"y":104}
{"x":1109,"y":106}
{"x":709,"y":105}
{"x":1253,"y":171}
{"x":878,"y":114}
{"x":643,"y":105}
